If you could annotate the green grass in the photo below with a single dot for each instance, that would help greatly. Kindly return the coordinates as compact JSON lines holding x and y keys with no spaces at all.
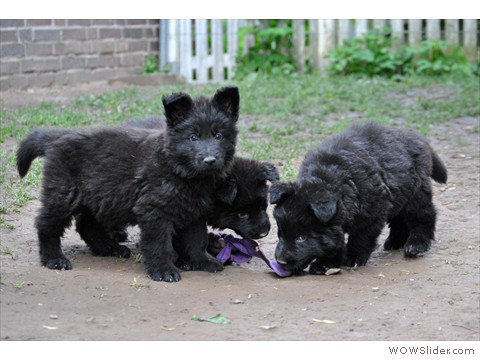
{"x":281,"y":117}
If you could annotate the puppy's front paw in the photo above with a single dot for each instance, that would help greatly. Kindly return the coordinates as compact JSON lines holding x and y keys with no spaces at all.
{"x":356,"y":260}
{"x":58,"y":263}
{"x":317,"y":268}
{"x":170,"y":275}
{"x":209,"y":264}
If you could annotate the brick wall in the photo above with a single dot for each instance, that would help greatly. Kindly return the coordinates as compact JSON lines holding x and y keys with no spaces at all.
{"x":40,"y":53}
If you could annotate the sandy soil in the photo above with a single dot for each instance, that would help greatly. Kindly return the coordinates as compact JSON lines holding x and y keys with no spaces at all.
{"x":435,"y":297}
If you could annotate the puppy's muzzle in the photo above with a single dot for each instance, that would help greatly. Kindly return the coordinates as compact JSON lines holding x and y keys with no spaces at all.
{"x":210,"y":160}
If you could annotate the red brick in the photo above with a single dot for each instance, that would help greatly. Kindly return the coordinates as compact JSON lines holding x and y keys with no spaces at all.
{"x":11,"y":23}
{"x":73,"y":62}
{"x":9,"y":67}
{"x":60,"y":22}
{"x":19,"y":82}
{"x":42,"y":49}
{"x":103,"y":22}
{"x":138,"y":45}
{"x":59,"y":49}
{"x":103,"y":62}
{"x":91,"y":33}
{"x":25,"y":35}
{"x":78,"y":47}
{"x":135,"y":33}
{"x":136,"y":21}
{"x":46,"y":35}
{"x":12,"y":50}
{"x":73,"y":34}
{"x":110,"y":33}
{"x":7,"y":36}
{"x":133,"y":59}
{"x":78,"y":22}
{"x":103,"y":47}
{"x":40,"y":65}
{"x":39,"y":22}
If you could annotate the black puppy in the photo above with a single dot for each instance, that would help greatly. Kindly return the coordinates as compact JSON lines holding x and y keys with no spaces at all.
{"x":242,"y":201}
{"x":162,"y":181}
{"x":354,"y":183}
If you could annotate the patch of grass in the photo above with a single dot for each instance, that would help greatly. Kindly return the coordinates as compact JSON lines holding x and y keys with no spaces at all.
{"x":137,"y":285}
{"x":18,"y":285}
{"x":281,"y":117}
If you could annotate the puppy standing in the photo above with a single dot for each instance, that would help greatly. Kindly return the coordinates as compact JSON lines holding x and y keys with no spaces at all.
{"x":242,"y":197}
{"x":354,"y":183}
{"x":162,"y":181}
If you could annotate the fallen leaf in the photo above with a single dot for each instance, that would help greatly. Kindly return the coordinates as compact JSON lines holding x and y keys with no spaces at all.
{"x":324,"y":321}
{"x":268,"y":327}
{"x":50,"y":327}
{"x":332,"y":271}
{"x":167,"y":328}
{"x":217,"y":319}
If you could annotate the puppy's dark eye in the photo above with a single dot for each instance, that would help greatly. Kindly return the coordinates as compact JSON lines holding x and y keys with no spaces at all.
{"x":218,"y":136}
{"x":301,"y":239}
{"x":194,"y":137}
{"x":242,"y":215}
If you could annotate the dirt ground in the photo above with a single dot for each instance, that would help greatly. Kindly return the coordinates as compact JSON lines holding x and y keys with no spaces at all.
{"x":435,"y":297}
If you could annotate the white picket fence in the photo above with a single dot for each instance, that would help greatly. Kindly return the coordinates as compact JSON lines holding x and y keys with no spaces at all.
{"x":204,"y":50}
{"x":201,"y":50}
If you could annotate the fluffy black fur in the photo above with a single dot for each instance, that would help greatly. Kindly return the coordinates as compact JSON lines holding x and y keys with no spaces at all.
{"x":164,"y":181}
{"x":354,"y":183}
{"x":242,"y":202}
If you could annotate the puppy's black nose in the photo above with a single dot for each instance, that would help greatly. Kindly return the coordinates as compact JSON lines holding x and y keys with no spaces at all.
{"x":209,"y":160}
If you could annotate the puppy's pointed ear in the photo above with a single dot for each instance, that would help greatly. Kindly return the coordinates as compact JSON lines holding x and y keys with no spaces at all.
{"x":280,"y":190}
{"x":227,"y":100}
{"x":177,"y":107}
{"x":228,"y":192}
{"x":268,"y":172}
{"x":324,"y":210}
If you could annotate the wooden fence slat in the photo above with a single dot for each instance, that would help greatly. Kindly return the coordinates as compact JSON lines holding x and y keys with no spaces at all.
{"x":314,"y":44}
{"x":433,"y":29}
{"x":232,"y":45}
{"x":452,"y":32}
{"x":327,"y":36}
{"x":299,"y":44}
{"x":343,"y":30}
{"x":173,"y":46}
{"x":217,"y":50}
{"x":186,"y":49}
{"x":398,"y":32}
{"x":470,"y":46}
{"x":362,"y":27}
{"x":201,"y":50}
{"x":379,"y":23}
{"x":414,"y":32}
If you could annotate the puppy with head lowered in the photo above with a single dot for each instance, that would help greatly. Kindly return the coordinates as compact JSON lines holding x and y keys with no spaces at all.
{"x":354,"y":184}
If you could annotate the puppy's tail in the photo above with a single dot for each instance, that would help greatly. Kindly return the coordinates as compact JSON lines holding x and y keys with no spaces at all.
{"x":439,"y":171}
{"x":34,"y":145}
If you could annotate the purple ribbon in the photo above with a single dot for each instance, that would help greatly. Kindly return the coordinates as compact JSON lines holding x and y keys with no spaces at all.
{"x":226,"y":248}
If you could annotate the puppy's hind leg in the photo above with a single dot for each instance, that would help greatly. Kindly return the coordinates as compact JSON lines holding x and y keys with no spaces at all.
{"x":398,"y":233}
{"x":50,"y":226}
{"x":191,"y":244}
{"x":420,"y":216}
{"x":98,"y":238}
